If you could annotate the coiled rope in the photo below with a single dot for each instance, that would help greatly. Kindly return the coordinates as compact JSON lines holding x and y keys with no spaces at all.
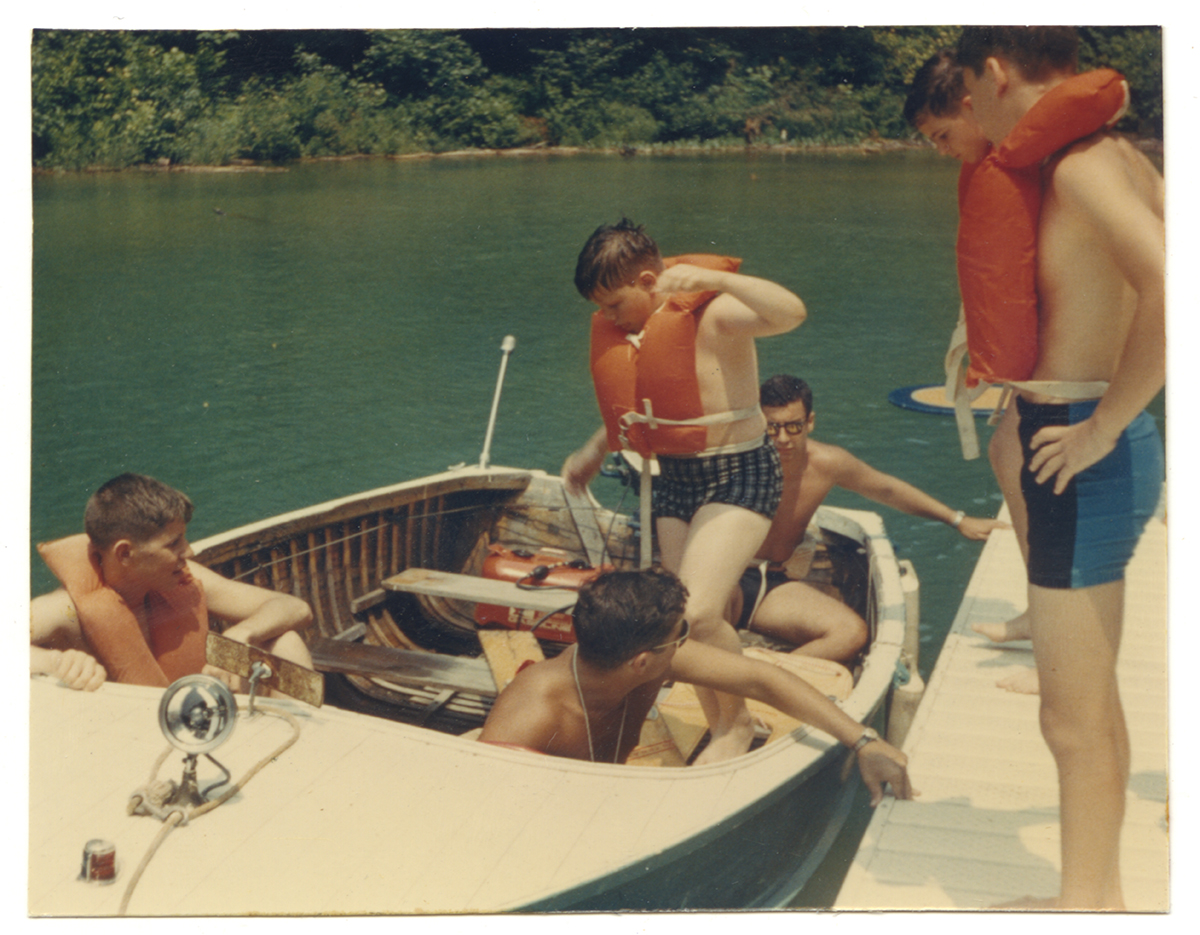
{"x":178,"y":815}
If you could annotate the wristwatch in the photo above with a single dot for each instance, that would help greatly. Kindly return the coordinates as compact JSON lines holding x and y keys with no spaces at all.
{"x":868,"y":736}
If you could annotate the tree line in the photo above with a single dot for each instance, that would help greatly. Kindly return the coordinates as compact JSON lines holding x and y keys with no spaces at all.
{"x":122,"y":98}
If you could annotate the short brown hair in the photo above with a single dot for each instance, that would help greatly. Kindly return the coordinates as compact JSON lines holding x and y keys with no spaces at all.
{"x":613,"y":256}
{"x":937,"y":88}
{"x":622,"y":613}
{"x":134,"y":507}
{"x":1035,"y":50}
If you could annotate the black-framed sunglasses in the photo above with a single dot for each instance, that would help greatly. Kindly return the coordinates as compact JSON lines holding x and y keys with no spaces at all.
{"x":678,"y":641}
{"x":792,"y":428}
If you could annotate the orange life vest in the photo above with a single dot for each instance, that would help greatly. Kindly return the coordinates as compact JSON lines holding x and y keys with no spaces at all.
{"x":658,"y":365}
{"x":178,"y":621}
{"x":999,"y":202}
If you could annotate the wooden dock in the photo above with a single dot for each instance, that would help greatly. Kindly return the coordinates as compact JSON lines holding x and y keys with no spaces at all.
{"x":985,"y":828}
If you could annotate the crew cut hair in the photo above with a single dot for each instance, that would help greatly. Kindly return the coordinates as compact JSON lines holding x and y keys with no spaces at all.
{"x":1036,"y":50}
{"x":937,"y":88}
{"x":133,"y":507}
{"x":783,"y":390}
{"x":613,"y":256}
{"x":622,"y":613}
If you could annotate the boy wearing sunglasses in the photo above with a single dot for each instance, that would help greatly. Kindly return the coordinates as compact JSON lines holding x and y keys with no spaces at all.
{"x":767,"y":600}
{"x":589,"y":702}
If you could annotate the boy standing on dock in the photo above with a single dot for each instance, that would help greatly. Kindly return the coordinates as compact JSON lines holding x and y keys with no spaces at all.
{"x":134,"y":609}
{"x":676,"y":375}
{"x":1090,"y":458}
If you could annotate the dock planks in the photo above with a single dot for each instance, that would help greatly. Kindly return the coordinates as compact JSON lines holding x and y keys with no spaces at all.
{"x":985,"y":828}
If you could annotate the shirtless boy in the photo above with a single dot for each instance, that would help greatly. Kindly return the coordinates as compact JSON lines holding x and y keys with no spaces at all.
{"x":589,"y":702}
{"x":134,"y":609}
{"x":792,"y":610}
{"x":719,"y":483}
{"x":1099,"y":266}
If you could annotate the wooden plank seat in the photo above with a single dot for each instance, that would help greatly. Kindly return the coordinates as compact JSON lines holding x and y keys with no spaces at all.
{"x":479,"y":590}
{"x":403,"y":666}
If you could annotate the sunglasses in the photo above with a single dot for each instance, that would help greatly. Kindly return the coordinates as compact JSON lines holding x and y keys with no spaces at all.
{"x":792,"y":428}
{"x":678,"y":641}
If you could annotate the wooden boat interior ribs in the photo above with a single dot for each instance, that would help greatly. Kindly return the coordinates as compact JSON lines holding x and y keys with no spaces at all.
{"x":414,"y":657}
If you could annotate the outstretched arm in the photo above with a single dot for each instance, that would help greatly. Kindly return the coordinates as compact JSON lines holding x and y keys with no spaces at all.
{"x":762,"y":307}
{"x":862,"y":479}
{"x":258,"y":615}
{"x":879,"y":762}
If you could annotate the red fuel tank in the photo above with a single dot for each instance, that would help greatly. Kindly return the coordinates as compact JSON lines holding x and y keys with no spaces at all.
{"x":545,"y":568}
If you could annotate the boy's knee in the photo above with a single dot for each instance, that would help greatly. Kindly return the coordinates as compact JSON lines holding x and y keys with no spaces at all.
{"x":1076,"y":729}
{"x":291,"y":646}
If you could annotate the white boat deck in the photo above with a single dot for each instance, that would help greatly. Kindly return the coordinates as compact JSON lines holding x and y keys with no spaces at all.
{"x":985,"y":828}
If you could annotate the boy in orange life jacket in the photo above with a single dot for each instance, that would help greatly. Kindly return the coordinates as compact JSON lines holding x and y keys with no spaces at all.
{"x":939,"y":107}
{"x":134,"y":609}
{"x":1092,"y":461}
{"x":682,"y":337}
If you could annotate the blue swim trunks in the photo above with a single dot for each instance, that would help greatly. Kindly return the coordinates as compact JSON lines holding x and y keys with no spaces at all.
{"x":1086,"y":535}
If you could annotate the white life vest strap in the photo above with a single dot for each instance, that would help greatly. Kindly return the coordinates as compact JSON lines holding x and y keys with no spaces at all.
{"x":629,"y":419}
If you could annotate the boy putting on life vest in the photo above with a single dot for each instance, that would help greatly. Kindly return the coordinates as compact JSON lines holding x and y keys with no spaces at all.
{"x":589,"y":702}
{"x":767,"y":600}
{"x":1092,"y":462}
{"x":134,"y":609}
{"x":676,"y":376}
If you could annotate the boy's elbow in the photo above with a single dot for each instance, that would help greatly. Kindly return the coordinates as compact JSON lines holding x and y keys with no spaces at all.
{"x":299,"y":612}
{"x":799,"y":312}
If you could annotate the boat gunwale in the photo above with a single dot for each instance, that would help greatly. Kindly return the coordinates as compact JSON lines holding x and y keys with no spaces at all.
{"x":217,"y":547}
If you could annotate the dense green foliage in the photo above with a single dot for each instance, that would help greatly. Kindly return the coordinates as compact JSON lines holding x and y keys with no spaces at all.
{"x":123,"y":98}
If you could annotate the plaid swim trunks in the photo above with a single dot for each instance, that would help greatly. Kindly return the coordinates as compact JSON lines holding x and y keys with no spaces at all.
{"x":751,"y":479}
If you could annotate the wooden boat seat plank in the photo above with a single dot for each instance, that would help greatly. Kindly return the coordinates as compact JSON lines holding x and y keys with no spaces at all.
{"x":403,"y":666}
{"x":479,"y":590}
{"x":507,"y":650}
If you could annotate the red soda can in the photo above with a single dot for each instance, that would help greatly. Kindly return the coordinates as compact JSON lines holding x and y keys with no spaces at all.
{"x":99,"y":861}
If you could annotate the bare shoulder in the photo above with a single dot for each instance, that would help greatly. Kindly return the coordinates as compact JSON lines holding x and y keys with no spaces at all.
{"x":1105,"y":167}
{"x":830,"y":461}
{"x":529,"y":711}
{"x":53,"y":622}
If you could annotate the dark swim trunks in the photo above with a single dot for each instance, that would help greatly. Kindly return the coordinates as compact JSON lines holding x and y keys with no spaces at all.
{"x":1086,"y":535}
{"x":751,"y":479}
{"x":750,"y":583}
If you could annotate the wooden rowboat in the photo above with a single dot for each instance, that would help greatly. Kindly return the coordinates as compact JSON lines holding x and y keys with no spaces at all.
{"x":382,"y":806}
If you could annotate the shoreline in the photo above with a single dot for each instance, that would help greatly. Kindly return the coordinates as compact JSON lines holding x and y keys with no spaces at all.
{"x":1151,"y":146}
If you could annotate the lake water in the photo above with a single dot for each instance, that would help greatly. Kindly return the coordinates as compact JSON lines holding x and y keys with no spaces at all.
{"x":268,"y":340}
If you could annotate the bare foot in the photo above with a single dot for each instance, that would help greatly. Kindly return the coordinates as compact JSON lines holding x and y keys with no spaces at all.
{"x":1030,"y":903}
{"x":1006,"y":632}
{"x":734,"y":742}
{"x":1022,"y":682}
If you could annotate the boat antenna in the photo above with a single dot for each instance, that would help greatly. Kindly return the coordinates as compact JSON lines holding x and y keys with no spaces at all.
{"x":506,"y":346}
